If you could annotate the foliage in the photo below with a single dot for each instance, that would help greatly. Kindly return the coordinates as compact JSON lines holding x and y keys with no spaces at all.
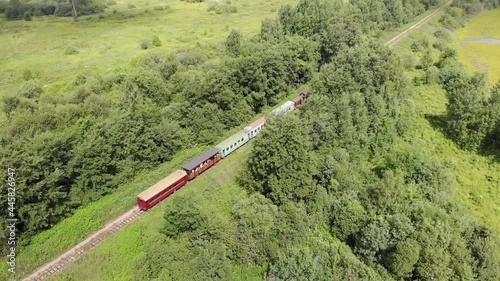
{"x":156,"y":41}
{"x":233,"y":43}
{"x":71,"y":51}
{"x":224,"y":8}
{"x":26,"y":9}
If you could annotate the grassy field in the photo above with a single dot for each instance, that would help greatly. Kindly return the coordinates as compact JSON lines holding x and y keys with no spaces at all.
{"x":478,"y":176}
{"x":111,"y":40}
{"x":484,"y":57}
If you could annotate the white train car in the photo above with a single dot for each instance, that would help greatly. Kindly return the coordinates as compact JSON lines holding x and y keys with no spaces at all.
{"x":284,"y":108}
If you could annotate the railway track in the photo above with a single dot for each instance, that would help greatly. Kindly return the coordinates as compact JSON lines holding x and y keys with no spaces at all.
{"x":133,"y":214}
{"x":91,"y":242}
{"x":417,"y":25}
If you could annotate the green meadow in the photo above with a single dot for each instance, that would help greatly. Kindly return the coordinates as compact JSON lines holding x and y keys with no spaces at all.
{"x":478,"y":176}
{"x":109,"y":41}
{"x":484,"y":57}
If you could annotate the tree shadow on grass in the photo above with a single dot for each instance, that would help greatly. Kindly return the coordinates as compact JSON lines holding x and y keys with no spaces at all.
{"x":438,"y":123}
{"x":491,"y":145}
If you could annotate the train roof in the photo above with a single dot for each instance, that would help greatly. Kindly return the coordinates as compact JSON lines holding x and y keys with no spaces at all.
{"x":161,"y":185}
{"x":200,"y":159}
{"x":283,"y":107}
{"x":256,"y":124}
{"x":231,"y":139}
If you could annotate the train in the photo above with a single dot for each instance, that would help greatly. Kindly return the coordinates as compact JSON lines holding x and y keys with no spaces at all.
{"x":189,"y":171}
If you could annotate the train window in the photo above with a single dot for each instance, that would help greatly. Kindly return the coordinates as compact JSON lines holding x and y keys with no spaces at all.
{"x":241,"y":139}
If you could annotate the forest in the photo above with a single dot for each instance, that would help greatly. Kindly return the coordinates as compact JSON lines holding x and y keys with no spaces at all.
{"x":26,"y":10}
{"x":340,"y":169}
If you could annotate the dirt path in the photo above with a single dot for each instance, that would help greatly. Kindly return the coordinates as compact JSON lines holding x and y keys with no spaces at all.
{"x":93,"y":240}
{"x":417,"y":25}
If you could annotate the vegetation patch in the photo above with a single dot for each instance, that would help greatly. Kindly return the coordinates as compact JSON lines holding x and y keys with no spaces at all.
{"x":481,"y":56}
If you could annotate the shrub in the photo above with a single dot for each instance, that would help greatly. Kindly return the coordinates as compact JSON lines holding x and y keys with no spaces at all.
{"x":27,"y":16}
{"x":27,"y":75}
{"x":101,"y":17}
{"x":222,"y":8}
{"x":190,"y":57}
{"x":156,"y":41}
{"x":431,"y":75}
{"x":115,"y":11}
{"x":111,"y":2}
{"x":30,"y":90}
{"x":415,"y":46}
{"x":131,"y":6}
{"x":11,"y":14}
{"x":71,"y":51}
{"x":439,"y":45}
{"x":444,"y":34}
{"x":145,"y":44}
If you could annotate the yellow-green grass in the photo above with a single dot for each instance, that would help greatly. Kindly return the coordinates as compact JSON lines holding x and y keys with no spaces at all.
{"x":478,"y":176}
{"x":112,"y":42}
{"x":484,"y":57}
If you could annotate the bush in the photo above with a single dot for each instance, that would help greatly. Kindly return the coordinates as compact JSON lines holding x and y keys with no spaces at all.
{"x":11,"y":14}
{"x":222,"y":8}
{"x":71,"y":51}
{"x":156,"y":41}
{"x":431,"y":75}
{"x":409,"y":61}
{"x":111,"y":2}
{"x":27,"y":75}
{"x":190,"y":58}
{"x":131,"y":6}
{"x":439,"y":45}
{"x":27,"y":16}
{"x":30,"y":90}
{"x":415,"y":46}
{"x":444,"y":34}
{"x":145,"y":44}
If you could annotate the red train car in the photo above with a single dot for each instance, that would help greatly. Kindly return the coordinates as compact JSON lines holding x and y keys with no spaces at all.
{"x":162,"y":189}
{"x":298,"y":100}
{"x":199,"y":164}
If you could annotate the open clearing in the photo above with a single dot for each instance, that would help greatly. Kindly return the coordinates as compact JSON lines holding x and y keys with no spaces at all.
{"x":108,"y":42}
{"x":484,"y":57}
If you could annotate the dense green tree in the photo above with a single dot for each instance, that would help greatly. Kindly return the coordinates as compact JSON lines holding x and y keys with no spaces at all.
{"x":467,"y":117}
{"x":182,"y":216}
{"x":401,"y":262}
{"x":271,"y":29}
{"x":233,"y":43}
{"x":256,"y":233}
{"x":347,"y":217}
{"x":280,"y":166}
